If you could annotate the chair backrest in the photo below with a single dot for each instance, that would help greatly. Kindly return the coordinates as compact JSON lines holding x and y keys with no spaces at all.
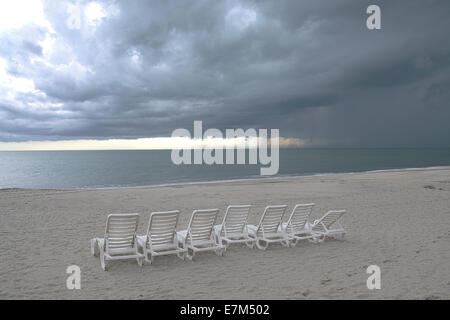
{"x":271,"y":219}
{"x":201,"y":224}
{"x":121,"y":230}
{"x":328,"y":219}
{"x":299,"y":216}
{"x":235,"y":219}
{"x":162,"y":227}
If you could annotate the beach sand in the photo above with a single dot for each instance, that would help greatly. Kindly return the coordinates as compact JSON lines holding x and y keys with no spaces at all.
{"x":398,"y":220}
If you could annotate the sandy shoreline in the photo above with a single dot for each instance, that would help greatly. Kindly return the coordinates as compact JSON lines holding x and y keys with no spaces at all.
{"x":398,"y":220}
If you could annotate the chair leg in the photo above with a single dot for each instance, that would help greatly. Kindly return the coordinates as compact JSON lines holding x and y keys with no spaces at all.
{"x":285,"y":243}
{"x":250,"y":244}
{"x":314,"y":238}
{"x":258,"y":244}
{"x":103,"y":261}
{"x":146,"y":255}
{"x":139,"y":260}
{"x":220,"y":252}
{"x":293,"y":242}
{"x":182,"y":255}
{"x":190,"y":256}
{"x":225,"y":244}
{"x":217,"y":239}
{"x":222,"y":242}
{"x":94,"y":248}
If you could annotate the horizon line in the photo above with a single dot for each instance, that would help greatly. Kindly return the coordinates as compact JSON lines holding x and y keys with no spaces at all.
{"x":154,"y":143}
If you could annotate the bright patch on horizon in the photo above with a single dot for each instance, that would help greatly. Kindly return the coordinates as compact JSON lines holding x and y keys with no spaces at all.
{"x":161,"y":143}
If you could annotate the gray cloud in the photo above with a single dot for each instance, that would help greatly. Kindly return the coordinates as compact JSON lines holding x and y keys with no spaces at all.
{"x":310,"y":68}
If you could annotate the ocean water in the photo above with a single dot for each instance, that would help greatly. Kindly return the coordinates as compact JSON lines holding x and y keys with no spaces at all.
{"x":131,"y":168}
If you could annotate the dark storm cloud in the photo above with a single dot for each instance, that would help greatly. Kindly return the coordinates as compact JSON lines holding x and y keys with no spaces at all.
{"x":310,"y":68}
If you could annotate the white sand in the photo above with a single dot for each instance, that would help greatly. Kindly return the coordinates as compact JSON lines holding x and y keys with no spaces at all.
{"x":394,"y":220}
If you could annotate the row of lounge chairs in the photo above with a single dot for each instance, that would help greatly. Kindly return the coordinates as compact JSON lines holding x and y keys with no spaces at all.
{"x":122,"y":242}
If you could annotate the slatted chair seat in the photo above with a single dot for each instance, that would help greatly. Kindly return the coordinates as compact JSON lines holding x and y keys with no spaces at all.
{"x":329,"y":225}
{"x":161,"y":238}
{"x":268,"y":230}
{"x":233,"y":228}
{"x":298,"y":227}
{"x":199,"y":235}
{"x":119,"y":242}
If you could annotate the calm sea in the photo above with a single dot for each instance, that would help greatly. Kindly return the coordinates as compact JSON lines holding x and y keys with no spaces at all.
{"x":103,"y":169}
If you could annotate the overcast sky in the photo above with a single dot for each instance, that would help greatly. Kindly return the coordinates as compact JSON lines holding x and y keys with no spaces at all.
{"x":140,"y":69}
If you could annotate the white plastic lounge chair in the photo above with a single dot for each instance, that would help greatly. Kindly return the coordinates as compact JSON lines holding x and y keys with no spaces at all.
{"x":119,"y":242}
{"x":297,"y":227}
{"x":161,"y":238}
{"x":322,"y":227}
{"x":199,"y":235}
{"x":268,"y":229}
{"x":234,"y":227}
